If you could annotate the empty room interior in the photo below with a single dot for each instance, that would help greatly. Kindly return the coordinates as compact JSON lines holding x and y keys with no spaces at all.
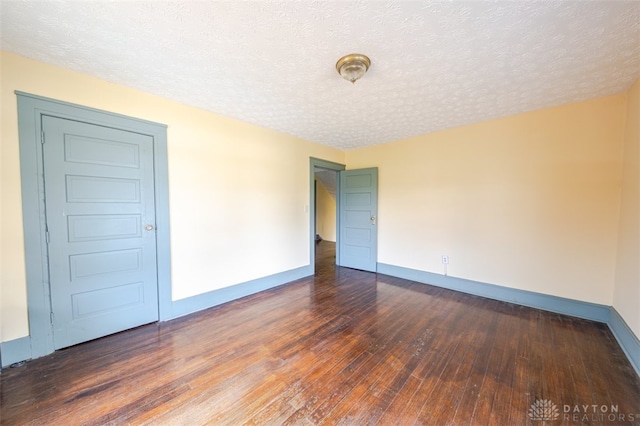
{"x":393,"y":212}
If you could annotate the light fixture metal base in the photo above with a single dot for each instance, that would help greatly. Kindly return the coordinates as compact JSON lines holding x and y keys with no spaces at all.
{"x":353,"y":66}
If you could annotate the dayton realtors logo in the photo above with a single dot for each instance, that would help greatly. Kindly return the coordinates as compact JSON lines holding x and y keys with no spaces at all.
{"x":596,"y":413}
{"x":545,"y":410}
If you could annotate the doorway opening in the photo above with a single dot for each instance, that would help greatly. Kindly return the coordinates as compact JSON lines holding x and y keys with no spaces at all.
{"x":325,"y":213}
{"x":356,"y":214}
{"x":324,"y":217}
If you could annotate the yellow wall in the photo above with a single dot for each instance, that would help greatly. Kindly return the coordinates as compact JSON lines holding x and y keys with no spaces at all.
{"x":626,"y":298}
{"x":237,"y":191}
{"x":529,"y":201}
{"x":326,"y":213}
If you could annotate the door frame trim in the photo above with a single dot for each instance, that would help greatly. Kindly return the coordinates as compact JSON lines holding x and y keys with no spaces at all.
{"x":31,"y":108}
{"x":327,"y":165}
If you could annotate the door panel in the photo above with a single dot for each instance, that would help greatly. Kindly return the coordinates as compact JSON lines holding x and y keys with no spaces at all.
{"x":99,"y":198}
{"x":358,"y":218}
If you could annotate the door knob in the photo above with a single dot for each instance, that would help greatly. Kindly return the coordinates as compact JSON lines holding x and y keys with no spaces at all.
{"x":373,"y":220}
{"x":149,"y":227}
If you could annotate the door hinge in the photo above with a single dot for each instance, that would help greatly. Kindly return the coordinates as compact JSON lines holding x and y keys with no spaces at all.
{"x":51,"y":318}
{"x":42,"y":136}
{"x":46,"y":236}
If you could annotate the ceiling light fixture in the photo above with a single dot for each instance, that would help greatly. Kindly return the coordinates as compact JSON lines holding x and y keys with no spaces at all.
{"x":353,"y":66}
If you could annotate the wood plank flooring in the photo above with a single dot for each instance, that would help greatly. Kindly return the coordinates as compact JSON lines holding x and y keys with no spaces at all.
{"x":343,"y":347}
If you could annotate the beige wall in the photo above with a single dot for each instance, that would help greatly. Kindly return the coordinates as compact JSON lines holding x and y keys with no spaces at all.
{"x":326,"y":213}
{"x":237,"y":192}
{"x":626,"y":297}
{"x":529,"y":201}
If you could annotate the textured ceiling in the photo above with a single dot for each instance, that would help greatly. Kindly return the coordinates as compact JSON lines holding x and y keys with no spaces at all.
{"x":435,"y":65}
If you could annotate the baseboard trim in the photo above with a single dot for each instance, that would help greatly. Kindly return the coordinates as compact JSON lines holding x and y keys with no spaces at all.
{"x":626,"y":338}
{"x":561,"y":305}
{"x":217,"y":297}
{"x":15,"y":350}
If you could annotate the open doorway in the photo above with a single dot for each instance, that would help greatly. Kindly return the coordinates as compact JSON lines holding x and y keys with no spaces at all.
{"x":325,"y":212}
{"x":356,"y":215}
{"x":325,"y":202}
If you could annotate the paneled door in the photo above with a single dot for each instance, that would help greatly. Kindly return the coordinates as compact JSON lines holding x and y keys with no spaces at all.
{"x":100,"y":219}
{"x":358,"y":237}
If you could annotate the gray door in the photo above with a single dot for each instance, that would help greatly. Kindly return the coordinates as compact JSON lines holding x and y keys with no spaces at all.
{"x":100,"y":220}
{"x":358,"y":237}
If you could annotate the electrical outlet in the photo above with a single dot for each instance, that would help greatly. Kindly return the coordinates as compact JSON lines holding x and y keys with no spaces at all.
{"x":445,"y":260}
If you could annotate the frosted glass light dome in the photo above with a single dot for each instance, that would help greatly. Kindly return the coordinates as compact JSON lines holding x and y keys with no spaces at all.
{"x":353,"y":66}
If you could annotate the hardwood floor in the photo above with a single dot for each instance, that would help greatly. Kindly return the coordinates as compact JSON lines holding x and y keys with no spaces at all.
{"x":342,"y":347}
